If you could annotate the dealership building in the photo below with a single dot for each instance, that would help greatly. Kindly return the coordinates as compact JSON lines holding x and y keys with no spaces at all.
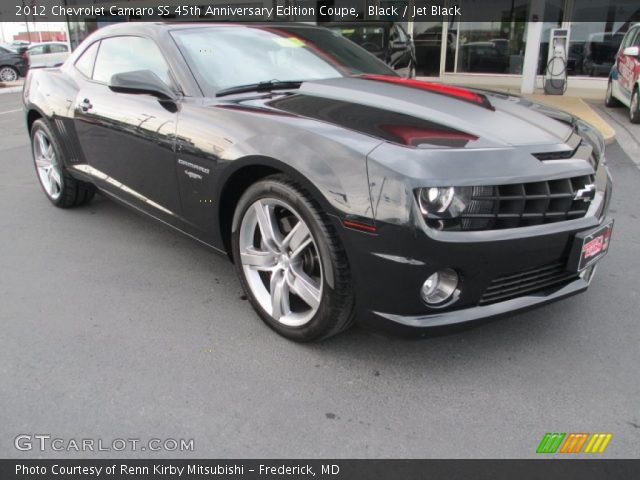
{"x":510,"y":52}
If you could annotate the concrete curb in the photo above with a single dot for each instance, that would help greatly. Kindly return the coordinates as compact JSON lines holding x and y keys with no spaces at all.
{"x":11,"y":89}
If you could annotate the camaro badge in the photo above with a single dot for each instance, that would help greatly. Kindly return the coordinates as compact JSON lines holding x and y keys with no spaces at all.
{"x":587,"y":193}
{"x":193,"y":166}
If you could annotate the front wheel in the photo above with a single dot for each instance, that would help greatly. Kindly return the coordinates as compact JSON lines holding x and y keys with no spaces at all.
{"x":8,"y":74}
{"x":290,"y":261}
{"x":609,"y":100}
{"x":634,"y":107}
{"x":59,"y":186}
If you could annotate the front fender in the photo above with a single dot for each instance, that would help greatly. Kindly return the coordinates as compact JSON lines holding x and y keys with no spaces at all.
{"x":334,"y":173}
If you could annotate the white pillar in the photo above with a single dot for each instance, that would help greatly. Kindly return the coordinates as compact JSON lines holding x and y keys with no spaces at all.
{"x":532,"y":50}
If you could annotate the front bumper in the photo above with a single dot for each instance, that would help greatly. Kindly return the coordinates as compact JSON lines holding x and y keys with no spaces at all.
{"x":424,"y":324}
{"x":389,"y":268}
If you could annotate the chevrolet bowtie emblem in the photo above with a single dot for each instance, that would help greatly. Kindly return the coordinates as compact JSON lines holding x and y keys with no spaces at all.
{"x":587,"y":193}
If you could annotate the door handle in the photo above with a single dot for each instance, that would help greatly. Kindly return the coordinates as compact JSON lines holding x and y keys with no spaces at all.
{"x":85,"y":105}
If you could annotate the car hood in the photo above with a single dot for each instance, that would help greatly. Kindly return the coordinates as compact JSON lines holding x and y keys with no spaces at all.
{"x":409,"y":115}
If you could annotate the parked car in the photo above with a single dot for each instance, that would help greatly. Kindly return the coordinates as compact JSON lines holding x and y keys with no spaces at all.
{"x":484,"y":57}
{"x":12,"y":65}
{"x":386,"y":40}
{"x":623,"y":87}
{"x":340,"y":190}
{"x":48,"y":54}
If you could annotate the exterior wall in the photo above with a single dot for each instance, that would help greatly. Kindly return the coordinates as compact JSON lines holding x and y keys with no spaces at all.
{"x":41,"y":36}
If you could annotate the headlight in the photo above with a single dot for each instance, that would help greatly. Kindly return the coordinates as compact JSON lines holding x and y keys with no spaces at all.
{"x":442,"y":207}
{"x":436,"y":199}
{"x":444,"y":202}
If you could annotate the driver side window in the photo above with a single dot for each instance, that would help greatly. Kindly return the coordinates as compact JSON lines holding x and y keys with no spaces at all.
{"x":39,"y":50}
{"x":129,"y":54}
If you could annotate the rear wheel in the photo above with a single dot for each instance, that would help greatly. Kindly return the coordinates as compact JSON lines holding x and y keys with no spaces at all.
{"x":8,"y":74}
{"x":634,"y":107}
{"x":59,"y":186}
{"x":290,"y":261}
{"x":609,"y":100}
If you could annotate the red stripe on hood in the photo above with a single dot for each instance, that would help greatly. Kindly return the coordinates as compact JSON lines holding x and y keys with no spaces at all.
{"x":448,"y":90}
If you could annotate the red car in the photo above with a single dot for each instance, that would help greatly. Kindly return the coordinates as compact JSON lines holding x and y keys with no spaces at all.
{"x":624,"y":80}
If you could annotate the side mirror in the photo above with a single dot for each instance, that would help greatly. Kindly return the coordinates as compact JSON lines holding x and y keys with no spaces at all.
{"x":631,"y":51}
{"x":141,"y":82}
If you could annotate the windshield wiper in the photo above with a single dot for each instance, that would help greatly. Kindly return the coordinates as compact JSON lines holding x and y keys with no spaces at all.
{"x":260,"y":87}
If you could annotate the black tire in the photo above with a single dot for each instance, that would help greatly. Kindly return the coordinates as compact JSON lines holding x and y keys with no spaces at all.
{"x":609,"y":100}
{"x":6,"y":70}
{"x":335,"y":312}
{"x":634,"y":108}
{"x":72,"y":192}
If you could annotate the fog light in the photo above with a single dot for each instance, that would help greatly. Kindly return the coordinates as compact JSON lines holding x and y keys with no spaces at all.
{"x":440,"y":286}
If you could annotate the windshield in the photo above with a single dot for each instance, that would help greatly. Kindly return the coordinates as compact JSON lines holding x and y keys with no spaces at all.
{"x":228,"y":56}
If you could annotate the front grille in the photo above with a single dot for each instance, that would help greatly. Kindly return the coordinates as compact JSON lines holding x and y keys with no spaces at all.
{"x":527,"y":282}
{"x":524,"y":204}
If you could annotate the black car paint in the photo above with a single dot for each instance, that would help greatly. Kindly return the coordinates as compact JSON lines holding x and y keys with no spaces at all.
{"x":13,"y":59}
{"x":180,"y":162}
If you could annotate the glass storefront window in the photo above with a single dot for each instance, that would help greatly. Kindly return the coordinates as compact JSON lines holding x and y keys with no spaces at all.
{"x":427,"y":38}
{"x":594,"y":45}
{"x":498,"y":47}
{"x":79,"y":30}
{"x":490,"y":47}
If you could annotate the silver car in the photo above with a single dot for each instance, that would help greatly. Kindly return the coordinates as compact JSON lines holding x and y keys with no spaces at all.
{"x":48,"y":54}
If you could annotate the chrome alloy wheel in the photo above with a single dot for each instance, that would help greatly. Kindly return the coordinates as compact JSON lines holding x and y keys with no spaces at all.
{"x":280,"y":262}
{"x":8,"y":74}
{"x":47,"y":165}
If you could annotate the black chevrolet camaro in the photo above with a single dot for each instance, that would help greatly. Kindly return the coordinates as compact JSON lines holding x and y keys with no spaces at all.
{"x":340,"y":191}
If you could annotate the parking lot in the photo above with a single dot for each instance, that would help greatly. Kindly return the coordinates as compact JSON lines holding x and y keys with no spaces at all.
{"x":114,"y":326}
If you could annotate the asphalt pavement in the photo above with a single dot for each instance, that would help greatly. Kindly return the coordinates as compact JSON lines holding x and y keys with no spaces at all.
{"x":113,"y":326}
